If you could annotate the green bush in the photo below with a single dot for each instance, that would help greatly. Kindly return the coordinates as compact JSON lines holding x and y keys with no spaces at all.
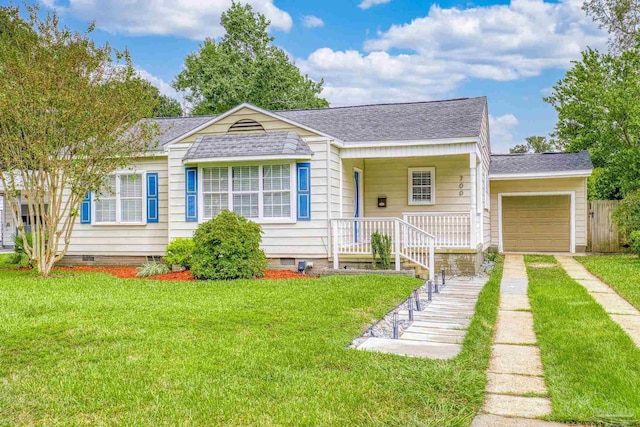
{"x":634,"y":240}
{"x":381,"y":248}
{"x":19,"y":256}
{"x":228,"y":247}
{"x":180,"y":252}
{"x":153,"y":268}
{"x":627,"y":215}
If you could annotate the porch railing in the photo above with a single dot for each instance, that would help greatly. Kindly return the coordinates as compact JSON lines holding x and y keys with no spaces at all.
{"x":450,"y":229}
{"x":352,"y":236}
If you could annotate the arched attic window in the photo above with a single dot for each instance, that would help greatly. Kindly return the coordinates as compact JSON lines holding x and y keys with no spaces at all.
{"x":246,"y":126}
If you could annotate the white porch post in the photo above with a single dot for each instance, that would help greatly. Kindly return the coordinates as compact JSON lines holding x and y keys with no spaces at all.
{"x":334,"y":240}
{"x":474,"y":200}
{"x":396,"y":226}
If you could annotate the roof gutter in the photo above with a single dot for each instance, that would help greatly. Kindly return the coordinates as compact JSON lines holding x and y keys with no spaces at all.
{"x":585,"y":173}
{"x":247,"y":158}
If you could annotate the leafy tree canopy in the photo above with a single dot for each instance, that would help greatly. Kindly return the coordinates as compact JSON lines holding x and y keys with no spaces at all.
{"x":534,"y":144}
{"x":71,"y":112}
{"x":621,"y":19}
{"x":165,"y":106}
{"x":598,"y":111}
{"x":244,"y":66}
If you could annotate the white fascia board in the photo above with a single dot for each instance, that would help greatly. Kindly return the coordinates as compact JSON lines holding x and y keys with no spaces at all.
{"x":245,"y":159}
{"x":561,"y":174}
{"x":410,"y":142}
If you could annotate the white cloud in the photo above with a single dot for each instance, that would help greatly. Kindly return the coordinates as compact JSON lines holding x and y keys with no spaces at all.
{"x":366,"y":4}
{"x":195,"y":19}
{"x":501,"y":129}
{"x":430,"y":56}
{"x":164,"y":87}
{"x":311,"y":21}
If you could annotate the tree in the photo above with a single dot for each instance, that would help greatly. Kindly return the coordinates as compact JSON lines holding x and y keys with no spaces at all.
{"x":71,"y":114}
{"x":245,"y":67}
{"x":621,"y":19}
{"x":534,"y":144}
{"x":165,"y":105}
{"x":598,"y":110}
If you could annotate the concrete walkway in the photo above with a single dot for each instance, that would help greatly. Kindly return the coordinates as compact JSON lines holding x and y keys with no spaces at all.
{"x":618,"y":308}
{"x":516,"y":392}
{"x":438,"y":330}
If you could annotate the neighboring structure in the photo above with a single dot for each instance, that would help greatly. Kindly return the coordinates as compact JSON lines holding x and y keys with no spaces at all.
{"x":320,"y":181}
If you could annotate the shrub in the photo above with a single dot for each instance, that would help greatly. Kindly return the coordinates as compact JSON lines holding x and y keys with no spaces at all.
{"x":228,"y":247}
{"x":153,"y":268}
{"x":180,"y":252}
{"x":19,"y":256}
{"x":381,"y":248}
{"x":627,"y":215}
{"x":634,"y":240}
{"x":491,"y":255}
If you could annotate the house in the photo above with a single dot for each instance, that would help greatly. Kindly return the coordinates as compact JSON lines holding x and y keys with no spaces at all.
{"x":321,"y":181}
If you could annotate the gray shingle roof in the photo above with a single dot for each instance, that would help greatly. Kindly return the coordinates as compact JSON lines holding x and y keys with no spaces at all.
{"x":538,"y":163}
{"x":248,"y":145}
{"x":394,"y":122}
{"x":173,"y":127}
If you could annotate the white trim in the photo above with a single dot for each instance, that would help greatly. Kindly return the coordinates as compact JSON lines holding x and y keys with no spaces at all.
{"x":410,"y":171}
{"x":251,"y":107}
{"x":572,"y":244}
{"x":230,"y":192}
{"x":409,"y":142}
{"x":246,"y":159}
{"x":535,"y":175}
{"x":118,"y":222}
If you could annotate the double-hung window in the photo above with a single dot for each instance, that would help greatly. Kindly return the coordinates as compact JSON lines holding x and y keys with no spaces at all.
{"x":422,"y":186}
{"x":258,"y":192}
{"x":121,"y":200}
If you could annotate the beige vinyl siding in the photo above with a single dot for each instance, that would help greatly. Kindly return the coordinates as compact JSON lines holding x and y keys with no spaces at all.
{"x":8,"y":226}
{"x":486,"y":224}
{"x":334,"y":180}
{"x":302,"y":239}
{"x":578,"y":185}
{"x":128,"y":240}
{"x":389,"y":178}
{"x":269,"y":123}
{"x":348,"y":186}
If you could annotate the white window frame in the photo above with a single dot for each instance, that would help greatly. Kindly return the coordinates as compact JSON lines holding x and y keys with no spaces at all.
{"x":291,"y":219}
{"x":118,"y":221}
{"x":410,"y":200}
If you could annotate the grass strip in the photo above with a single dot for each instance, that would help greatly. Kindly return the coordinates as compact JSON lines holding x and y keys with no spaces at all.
{"x":89,"y":348}
{"x":591,"y":366}
{"x":621,"y":272}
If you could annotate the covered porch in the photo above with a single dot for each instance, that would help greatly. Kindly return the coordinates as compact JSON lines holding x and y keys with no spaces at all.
{"x":427,"y":205}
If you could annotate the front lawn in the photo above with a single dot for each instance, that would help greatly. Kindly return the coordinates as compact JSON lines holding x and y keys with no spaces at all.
{"x":621,"y":272}
{"x":89,"y":348}
{"x":590,"y":364}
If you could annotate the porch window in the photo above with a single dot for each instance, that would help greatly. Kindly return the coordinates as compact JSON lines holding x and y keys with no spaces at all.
{"x":259,"y":192}
{"x":121,"y":201}
{"x":422,"y":186}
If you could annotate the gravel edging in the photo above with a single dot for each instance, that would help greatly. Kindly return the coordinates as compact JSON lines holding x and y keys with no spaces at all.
{"x":384,"y":327}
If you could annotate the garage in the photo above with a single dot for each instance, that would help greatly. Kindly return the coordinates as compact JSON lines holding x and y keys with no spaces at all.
{"x":539,"y":202}
{"x":536,"y":223}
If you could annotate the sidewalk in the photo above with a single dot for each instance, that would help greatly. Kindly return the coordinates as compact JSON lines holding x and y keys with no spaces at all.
{"x":516,"y":391}
{"x":618,"y":308}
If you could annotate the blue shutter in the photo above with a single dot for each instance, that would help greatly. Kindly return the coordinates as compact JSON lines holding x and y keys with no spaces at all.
{"x":85,"y":209}
{"x":191,"y":194}
{"x":152,"y":197}
{"x":304,"y":191}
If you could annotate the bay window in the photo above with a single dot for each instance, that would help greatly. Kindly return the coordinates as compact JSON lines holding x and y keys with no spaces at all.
{"x":258,"y":192}
{"x":121,"y":200}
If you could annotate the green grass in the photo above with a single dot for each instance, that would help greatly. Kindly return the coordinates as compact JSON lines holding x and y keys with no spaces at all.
{"x":591,"y":366}
{"x":621,"y":272}
{"x":92,"y":349}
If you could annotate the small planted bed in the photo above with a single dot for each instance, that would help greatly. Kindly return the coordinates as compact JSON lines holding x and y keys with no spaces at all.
{"x":180,"y":276}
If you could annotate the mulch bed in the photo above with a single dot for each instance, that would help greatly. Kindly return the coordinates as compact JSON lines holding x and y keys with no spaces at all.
{"x":181,"y":276}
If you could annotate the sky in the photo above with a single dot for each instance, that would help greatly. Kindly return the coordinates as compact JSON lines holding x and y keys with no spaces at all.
{"x":375,"y":51}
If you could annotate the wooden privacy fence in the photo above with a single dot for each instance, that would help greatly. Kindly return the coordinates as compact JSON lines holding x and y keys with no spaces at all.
{"x":603,"y":234}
